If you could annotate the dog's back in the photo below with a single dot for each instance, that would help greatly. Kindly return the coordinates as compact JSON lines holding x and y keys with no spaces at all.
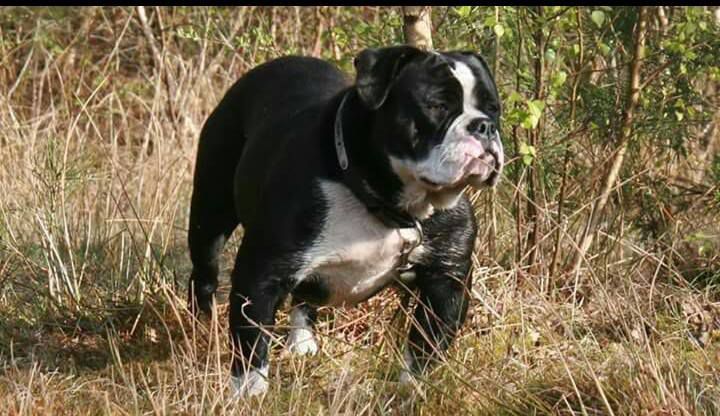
{"x":243,"y":138}
{"x":276,"y":90}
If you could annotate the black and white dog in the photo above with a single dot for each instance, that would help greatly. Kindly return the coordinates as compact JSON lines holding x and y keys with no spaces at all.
{"x":342,"y":190}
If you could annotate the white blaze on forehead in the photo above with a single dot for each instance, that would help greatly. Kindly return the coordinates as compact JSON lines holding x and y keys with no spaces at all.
{"x":467,"y":81}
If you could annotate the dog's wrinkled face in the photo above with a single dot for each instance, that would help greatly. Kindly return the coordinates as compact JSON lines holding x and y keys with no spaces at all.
{"x":440,"y":113}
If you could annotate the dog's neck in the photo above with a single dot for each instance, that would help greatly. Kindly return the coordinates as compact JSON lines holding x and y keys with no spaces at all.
{"x":365,"y":155}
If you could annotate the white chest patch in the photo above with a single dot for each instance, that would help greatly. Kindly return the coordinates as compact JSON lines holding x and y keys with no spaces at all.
{"x":355,"y":254}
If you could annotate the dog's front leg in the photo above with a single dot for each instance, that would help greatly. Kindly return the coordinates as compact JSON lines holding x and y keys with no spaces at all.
{"x":258,"y":288}
{"x":301,"y":340}
{"x":440,"y":311}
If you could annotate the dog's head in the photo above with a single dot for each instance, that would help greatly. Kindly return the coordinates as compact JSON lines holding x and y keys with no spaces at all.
{"x":439,"y":114}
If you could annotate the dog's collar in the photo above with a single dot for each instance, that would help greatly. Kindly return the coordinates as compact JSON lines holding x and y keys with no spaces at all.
{"x":339,"y":140}
{"x":389,"y":215}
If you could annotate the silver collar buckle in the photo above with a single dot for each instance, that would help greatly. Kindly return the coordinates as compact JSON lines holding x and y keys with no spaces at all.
{"x":412,"y":238}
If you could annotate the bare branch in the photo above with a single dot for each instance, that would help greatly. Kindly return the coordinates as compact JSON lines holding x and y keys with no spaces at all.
{"x":623,"y":140}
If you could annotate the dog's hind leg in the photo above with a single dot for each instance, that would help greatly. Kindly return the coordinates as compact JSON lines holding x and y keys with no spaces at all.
{"x":212,"y":212}
{"x":207,"y":237}
{"x":258,"y":288}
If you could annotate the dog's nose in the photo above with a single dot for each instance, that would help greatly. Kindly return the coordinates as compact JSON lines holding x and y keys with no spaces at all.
{"x":481,"y":127}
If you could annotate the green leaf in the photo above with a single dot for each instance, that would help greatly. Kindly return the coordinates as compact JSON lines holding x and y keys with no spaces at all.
{"x":489,"y":21}
{"x":527,"y":152}
{"x":535,"y":107}
{"x":604,"y":48}
{"x":679,"y":116}
{"x":690,"y":28}
{"x":532,"y":117}
{"x":499,"y":30}
{"x":550,"y":55}
{"x":463,"y":11}
{"x":559,"y":78}
{"x":524,"y":149}
{"x":514,"y":97}
{"x":598,"y":17}
{"x":515,"y":116}
{"x":528,"y":122}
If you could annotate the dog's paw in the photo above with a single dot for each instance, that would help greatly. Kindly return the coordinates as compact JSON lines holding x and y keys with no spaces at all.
{"x":406,"y":378}
{"x":201,"y":299}
{"x":252,"y":383}
{"x":301,"y":341}
{"x":410,"y":387}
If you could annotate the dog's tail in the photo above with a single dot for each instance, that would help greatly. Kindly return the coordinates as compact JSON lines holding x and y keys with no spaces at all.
{"x":213,"y":216}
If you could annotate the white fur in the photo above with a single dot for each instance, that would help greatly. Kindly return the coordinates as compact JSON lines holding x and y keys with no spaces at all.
{"x":406,"y":377}
{"x":414,"y":198}
{"x":301,"y":340}
{"x":355,"y":254}
{"x":252,"y":383}
{"x":467,"y":80}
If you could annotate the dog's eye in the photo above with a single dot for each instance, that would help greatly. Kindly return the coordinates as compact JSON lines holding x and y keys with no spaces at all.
{"x":493,"y":108}
{"x":437,"y":108}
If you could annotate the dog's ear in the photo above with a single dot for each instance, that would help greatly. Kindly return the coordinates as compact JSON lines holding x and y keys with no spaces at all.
{"x":376,"y":68}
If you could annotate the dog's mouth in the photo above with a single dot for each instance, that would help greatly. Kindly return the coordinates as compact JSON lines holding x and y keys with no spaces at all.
{"x":430,"y":183}
{"x":494,"y":169}
{"x":484,"y":170}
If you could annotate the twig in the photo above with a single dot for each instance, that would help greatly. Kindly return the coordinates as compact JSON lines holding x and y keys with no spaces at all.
{"x":624,"y":139}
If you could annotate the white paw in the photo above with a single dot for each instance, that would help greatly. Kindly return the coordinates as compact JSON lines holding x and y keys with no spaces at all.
{"x":407,"y":381}
{"x":406,"y":378}
{"x":409,"y":384}
{"x":252,"y":383}
{"x":301,"y":341}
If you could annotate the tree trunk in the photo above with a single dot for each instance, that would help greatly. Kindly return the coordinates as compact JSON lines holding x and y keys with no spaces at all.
{"x":317,"y":48}
{"x":623,"y":140}
{"x":417,"y":26}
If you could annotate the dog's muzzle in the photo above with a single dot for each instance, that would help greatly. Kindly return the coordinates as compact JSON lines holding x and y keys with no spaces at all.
{"x":486,"y":169}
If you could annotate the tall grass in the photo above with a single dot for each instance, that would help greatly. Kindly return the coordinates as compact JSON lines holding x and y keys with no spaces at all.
{"x":98,"y":134}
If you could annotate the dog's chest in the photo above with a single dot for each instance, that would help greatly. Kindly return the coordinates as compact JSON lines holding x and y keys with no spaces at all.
{"x":355,"y":254}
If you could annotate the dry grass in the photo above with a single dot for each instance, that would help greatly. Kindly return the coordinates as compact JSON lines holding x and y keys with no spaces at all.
{"x":96,"y":157}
